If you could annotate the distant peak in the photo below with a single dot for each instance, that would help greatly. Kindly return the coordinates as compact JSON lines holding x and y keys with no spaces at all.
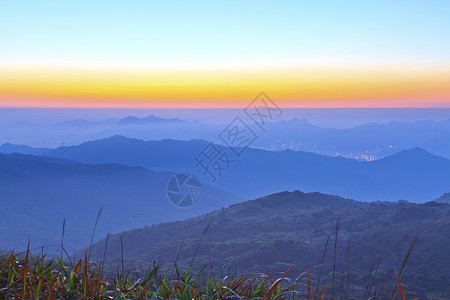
{"x":114,"y":139}
{"x":416,"y":149}
{"x":299,"y":120}
{"x":445,"y":198}
{"x":295,"y":121}
{"x":413,"y":151}
{"x":151,"y":119}
{"x":413,"y":154}
{"x":119,"y":137}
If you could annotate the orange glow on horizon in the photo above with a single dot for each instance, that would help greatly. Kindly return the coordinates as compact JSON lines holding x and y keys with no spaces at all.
{"x":289,"y":86}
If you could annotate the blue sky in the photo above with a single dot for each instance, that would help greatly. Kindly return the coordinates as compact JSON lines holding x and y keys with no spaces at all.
{"x":213,"y":31}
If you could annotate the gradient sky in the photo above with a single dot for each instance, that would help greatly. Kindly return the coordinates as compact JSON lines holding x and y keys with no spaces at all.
{"x":222,"y":54}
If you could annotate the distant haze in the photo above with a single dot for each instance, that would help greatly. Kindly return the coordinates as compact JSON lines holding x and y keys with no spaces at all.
{"x":323,"y":117}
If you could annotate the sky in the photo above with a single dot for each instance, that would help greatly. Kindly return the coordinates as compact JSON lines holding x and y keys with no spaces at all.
{"x":178,"y":54}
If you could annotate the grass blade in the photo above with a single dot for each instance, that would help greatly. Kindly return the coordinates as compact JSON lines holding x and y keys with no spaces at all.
{"x":93,"y":231}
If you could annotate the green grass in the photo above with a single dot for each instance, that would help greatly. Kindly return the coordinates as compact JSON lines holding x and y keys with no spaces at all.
{"x":28,"y":277}
{"x":32,"y":277}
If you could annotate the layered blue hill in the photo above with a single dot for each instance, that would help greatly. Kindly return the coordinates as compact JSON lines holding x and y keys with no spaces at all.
{"x":37,"y":193}
{"x":414,"y":175}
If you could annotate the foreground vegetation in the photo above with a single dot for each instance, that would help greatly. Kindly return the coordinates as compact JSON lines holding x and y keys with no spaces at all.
{"x":37,"y":278}
{"x":191,"y":270}
{"x":28,"y":277}
{"x":275,"y":231}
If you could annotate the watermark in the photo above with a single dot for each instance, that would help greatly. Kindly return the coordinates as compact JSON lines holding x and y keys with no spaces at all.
{"x":184,"y":190}
{"x":213,"y":160}
{"x":262,"y":109}
{"x":238,"y":136}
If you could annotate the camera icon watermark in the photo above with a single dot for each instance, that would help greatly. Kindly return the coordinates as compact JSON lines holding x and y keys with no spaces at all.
{"x":184,"y":190}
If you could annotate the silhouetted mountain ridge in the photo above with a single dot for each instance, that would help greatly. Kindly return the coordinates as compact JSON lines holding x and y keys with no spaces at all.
{"x":275,"y":231}
{"x":445,"y":198}
{"x":9,"y":148}
{"x":367,"y":141}
{"x":130,"y":120}
{"x":414,"y":175}
{"x":37,"y":193}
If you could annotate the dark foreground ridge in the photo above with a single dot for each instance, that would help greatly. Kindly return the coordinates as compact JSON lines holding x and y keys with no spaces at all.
{"x":292,"y":227}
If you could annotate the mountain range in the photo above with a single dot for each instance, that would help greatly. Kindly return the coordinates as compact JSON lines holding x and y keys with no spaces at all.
{"x":129,"y":178}
{"x":368,"y":141}
{"x":38,"y":193}
{"x":287,"y":228}
{"x":372,"y":139}
{"x":414,"y":175}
